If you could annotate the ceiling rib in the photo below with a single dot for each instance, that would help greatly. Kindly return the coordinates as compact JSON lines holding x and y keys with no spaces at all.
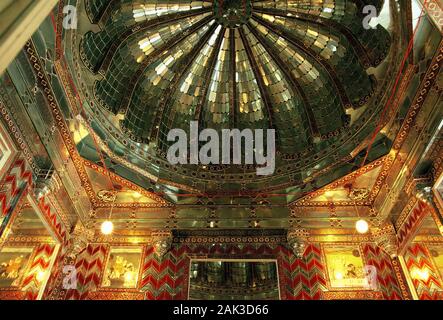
{"x":326,"y":23}
{"x":168,"y":93}
{"x":138,"y":74}
{"x":346,"y":102}
{"x":261,"y":85}
{"x":208,"y":76}
{"x":294,"y":83}
{"x":140,"y":27}
{"x":233,"y":80}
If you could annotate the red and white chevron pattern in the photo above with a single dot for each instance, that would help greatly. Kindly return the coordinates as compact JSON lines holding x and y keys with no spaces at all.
{"x":40,"y":264}
{"x":167,"y":278}
{"x":305,"y":277}
{"x":13,"y":187}
{"x":407,"y":230}
{"x":89,"y":265}
{"x":417,"y":256}
{"x":54,"y":290}
{"x":53,"y":219}
{"x":386,"y":278}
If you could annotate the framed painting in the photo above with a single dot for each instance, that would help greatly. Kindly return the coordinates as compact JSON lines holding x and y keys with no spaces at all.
{"x":13,"y":264}
{"x":346,"y":268}
{"x":122,"y":268}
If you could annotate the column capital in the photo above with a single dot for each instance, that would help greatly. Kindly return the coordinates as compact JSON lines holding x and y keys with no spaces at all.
{"x":47,"y":181}
{"x":162,"y":241}
{"x":298,"y":240}
{"x":80,"y":236}
{"x":385,"y":237}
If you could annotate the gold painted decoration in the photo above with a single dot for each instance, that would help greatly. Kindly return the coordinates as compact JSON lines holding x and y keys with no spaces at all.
{"x":13,"y":262}
{"x":437,"y":257}
{"x":346,"y":268}
{"x":122,"y":268}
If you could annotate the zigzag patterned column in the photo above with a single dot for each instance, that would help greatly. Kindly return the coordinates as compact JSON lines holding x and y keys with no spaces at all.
{"x":317,"y":269}
{"x":306,"y":276}
{"x":54,"y":287}
{"x":162,"y":278}
{"x":54,"y":290}
{"x":12,"y":188}
{"x":52,"y":219}
{"x":407,"y":230}
{"x":386,"y":277}
{"x":40,"y":265}
{"x":89,"y":265}
{"x":417,"y":257}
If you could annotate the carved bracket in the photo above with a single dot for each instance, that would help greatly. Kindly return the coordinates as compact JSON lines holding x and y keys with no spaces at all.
{"x":80,"y":237}
{"x":386,"y":238}
{"x":162,"y":241}
{"x":298,"y":240}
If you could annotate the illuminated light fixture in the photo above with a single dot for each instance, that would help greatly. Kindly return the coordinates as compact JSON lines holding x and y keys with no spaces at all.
{"x":362,"y":226}
{"x":420,"y":274}
{"x":40,"y":276}
{"x":107,"y":227}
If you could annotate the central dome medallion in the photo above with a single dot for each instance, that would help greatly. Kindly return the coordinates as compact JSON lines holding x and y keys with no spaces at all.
{"x":232,"y":13}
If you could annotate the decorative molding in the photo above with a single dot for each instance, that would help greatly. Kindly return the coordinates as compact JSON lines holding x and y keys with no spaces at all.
{"x":435,"y":12}
{"x":407,"y":230}
{"x":401,"y":279}
{"x":113,"y":295}
{"x":306,"y":200}
{"x":427,"y":83}
{"x":353,"y":295}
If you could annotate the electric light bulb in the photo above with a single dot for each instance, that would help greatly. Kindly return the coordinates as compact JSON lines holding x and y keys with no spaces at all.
{"x":362,"y":226}
{"x":107,"y":227}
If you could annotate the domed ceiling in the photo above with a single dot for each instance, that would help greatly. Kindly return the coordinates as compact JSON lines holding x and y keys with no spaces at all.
{"x":299,"y":67}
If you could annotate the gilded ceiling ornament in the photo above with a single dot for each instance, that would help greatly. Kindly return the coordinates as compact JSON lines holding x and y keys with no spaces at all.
{"x":106,"y":195}
{"x":358,"y":194}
